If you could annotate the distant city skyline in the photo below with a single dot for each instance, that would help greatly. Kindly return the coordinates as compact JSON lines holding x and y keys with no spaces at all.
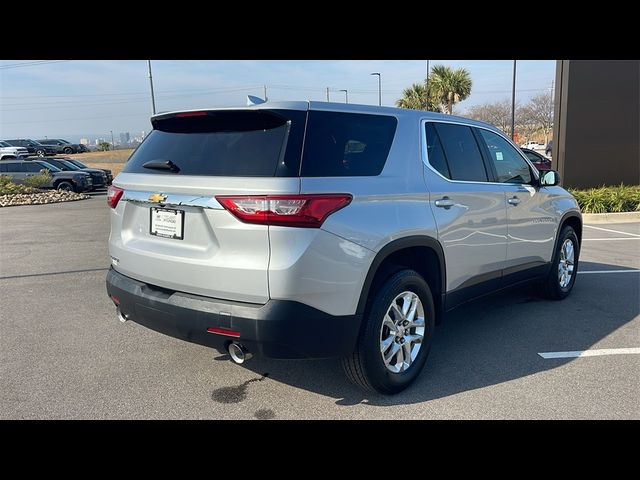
{"x":81,"y":97}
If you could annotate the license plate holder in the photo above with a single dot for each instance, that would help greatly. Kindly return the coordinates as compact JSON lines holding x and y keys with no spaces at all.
{"x":166,"y":223}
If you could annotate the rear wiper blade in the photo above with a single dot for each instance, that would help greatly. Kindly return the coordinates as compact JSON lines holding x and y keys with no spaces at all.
{"x":162,"y":165}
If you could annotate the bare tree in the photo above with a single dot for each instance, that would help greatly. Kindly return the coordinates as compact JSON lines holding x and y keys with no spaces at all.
{"x":539,"y":111}
{"x":496,"y":113}
{"x":525,"y":123}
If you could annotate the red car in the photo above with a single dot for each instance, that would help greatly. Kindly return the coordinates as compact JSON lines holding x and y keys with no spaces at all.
{"x":539,"y":161}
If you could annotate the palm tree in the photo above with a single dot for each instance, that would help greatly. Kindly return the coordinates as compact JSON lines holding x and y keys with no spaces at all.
{"x":450,"y":86}
{"x":417,"y":98}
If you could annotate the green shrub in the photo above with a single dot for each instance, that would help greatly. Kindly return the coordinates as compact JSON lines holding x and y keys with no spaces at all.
{"x":7,"y":187}
{"x":38,"y":181}
{"x":622,"y":198}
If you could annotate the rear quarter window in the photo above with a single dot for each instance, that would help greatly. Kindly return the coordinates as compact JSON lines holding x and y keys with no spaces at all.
{"x":346,"y":144}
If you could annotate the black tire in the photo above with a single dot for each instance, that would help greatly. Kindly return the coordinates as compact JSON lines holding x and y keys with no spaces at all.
{"x":68,"y":150}
{"x":365,"y":366}
{"x":41,"y":153}
{"x":66,"y":186}
{"x":551,"y":287}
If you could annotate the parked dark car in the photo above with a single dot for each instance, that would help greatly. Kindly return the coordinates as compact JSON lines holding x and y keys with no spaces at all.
{"x":61,"y":146}
{"x":98,"y":177}
{"x":548,"y":150}
{"x":32,"y":146}
{"x":539,"y":161}
{"x":19,"y":170}
{"x":78,"y":163}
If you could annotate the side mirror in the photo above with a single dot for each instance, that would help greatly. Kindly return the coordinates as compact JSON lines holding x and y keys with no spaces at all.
{"x":549,"y":178}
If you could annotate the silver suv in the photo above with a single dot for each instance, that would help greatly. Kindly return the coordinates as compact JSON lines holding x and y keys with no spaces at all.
{"x":310,"y":230}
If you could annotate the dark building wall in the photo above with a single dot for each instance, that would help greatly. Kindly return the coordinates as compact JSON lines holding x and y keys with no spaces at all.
{"x":597,"y":122}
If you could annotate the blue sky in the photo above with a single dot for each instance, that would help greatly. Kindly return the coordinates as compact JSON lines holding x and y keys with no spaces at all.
{"x":83,"y":96}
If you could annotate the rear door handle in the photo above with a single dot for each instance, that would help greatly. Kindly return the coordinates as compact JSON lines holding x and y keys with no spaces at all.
{"x":514,"y":200}
{"x":444,"y":202}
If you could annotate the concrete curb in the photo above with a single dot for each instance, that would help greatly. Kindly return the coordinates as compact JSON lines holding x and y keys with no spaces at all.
{"x":623,"y":217}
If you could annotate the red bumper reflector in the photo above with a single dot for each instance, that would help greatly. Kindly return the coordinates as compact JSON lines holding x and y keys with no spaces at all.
{"x":116,"y":300}
{"x":223,"y":331}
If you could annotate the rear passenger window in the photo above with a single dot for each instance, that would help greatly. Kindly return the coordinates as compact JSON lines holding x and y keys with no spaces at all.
{"x":435,"y":154}
{"x":11,"y":167}
{"x":32,"y":167}
{"x":462,"y":153}
{"x":346,"y":144}
{"x":510,"y":166}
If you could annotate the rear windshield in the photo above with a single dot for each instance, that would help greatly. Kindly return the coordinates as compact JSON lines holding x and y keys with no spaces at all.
{"x":266,"y":143}
{"x":224,"y":143}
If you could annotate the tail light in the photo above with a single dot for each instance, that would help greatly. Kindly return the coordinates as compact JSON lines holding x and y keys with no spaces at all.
{"x":308,"y":211}
{"x":113,"y":195}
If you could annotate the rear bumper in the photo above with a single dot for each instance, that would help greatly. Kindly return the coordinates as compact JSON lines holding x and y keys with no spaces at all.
{"x":277,"y":329}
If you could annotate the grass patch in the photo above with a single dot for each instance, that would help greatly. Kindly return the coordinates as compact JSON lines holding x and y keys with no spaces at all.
{"x":38,"y":181}
{"x":113,"y":159}
{"x":114,"y":167}
{"x":112,"y":156}
{"x":7,"y":187}
{"x":622,"y":198}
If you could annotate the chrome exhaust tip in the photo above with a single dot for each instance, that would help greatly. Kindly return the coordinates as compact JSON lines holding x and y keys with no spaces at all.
{"x":238,"y":353}
{"x":122,"y":317}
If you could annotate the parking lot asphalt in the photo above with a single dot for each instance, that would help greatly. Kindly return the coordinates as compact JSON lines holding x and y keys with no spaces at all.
{"x":64,"y":354}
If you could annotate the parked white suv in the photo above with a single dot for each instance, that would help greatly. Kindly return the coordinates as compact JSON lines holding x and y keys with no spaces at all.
{"x":7,"y":150}
{"x":309,"y":230}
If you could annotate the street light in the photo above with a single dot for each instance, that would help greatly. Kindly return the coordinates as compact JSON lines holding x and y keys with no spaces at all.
{"x":426,"y":80}
{"x":379,"y":87}
{"x":513,"y":103}
{"x":153,"y":98}
{"x":346,"y":96}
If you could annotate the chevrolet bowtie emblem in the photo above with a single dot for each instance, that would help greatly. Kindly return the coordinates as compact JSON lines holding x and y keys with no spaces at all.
{"x":157,"y":197}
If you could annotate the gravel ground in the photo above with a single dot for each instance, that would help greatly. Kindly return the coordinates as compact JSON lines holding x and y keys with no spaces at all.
{"x":47,"y":196}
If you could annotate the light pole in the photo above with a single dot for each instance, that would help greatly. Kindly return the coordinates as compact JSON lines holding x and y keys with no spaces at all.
{"x":426,"y":80}
{"x":513,"y":103}
{"x":346,"y":96}
{"x":113,"y":145}
{"x":379,"y":87}
{"x":153,"y":98}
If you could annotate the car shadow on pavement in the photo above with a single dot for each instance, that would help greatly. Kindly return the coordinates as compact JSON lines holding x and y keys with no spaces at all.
{"x":489,"y":341}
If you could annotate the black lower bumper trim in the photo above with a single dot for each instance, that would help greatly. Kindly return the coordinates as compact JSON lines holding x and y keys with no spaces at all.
{"x":277,"y":329}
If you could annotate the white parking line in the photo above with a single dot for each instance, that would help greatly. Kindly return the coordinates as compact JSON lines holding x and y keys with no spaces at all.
{"x":613,"y":231}
{"x":607,"y":239}
{"x":610,"y":271}
{"x":591,"y":353}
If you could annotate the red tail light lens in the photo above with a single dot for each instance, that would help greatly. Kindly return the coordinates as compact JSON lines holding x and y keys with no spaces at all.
{"x":224,"y":331}
{"x":113,"y":195}
{"x":308,"y":211}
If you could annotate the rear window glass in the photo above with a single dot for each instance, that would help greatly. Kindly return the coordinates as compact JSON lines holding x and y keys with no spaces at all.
{"x":435,"y":154}
{"x":346,"y":144}
{"x":462,"y":153}
{"x":259,"y":143}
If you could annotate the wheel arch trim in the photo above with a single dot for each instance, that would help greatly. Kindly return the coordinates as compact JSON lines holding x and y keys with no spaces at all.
{"x":395,"y":246}
{"x":562,"y":223}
